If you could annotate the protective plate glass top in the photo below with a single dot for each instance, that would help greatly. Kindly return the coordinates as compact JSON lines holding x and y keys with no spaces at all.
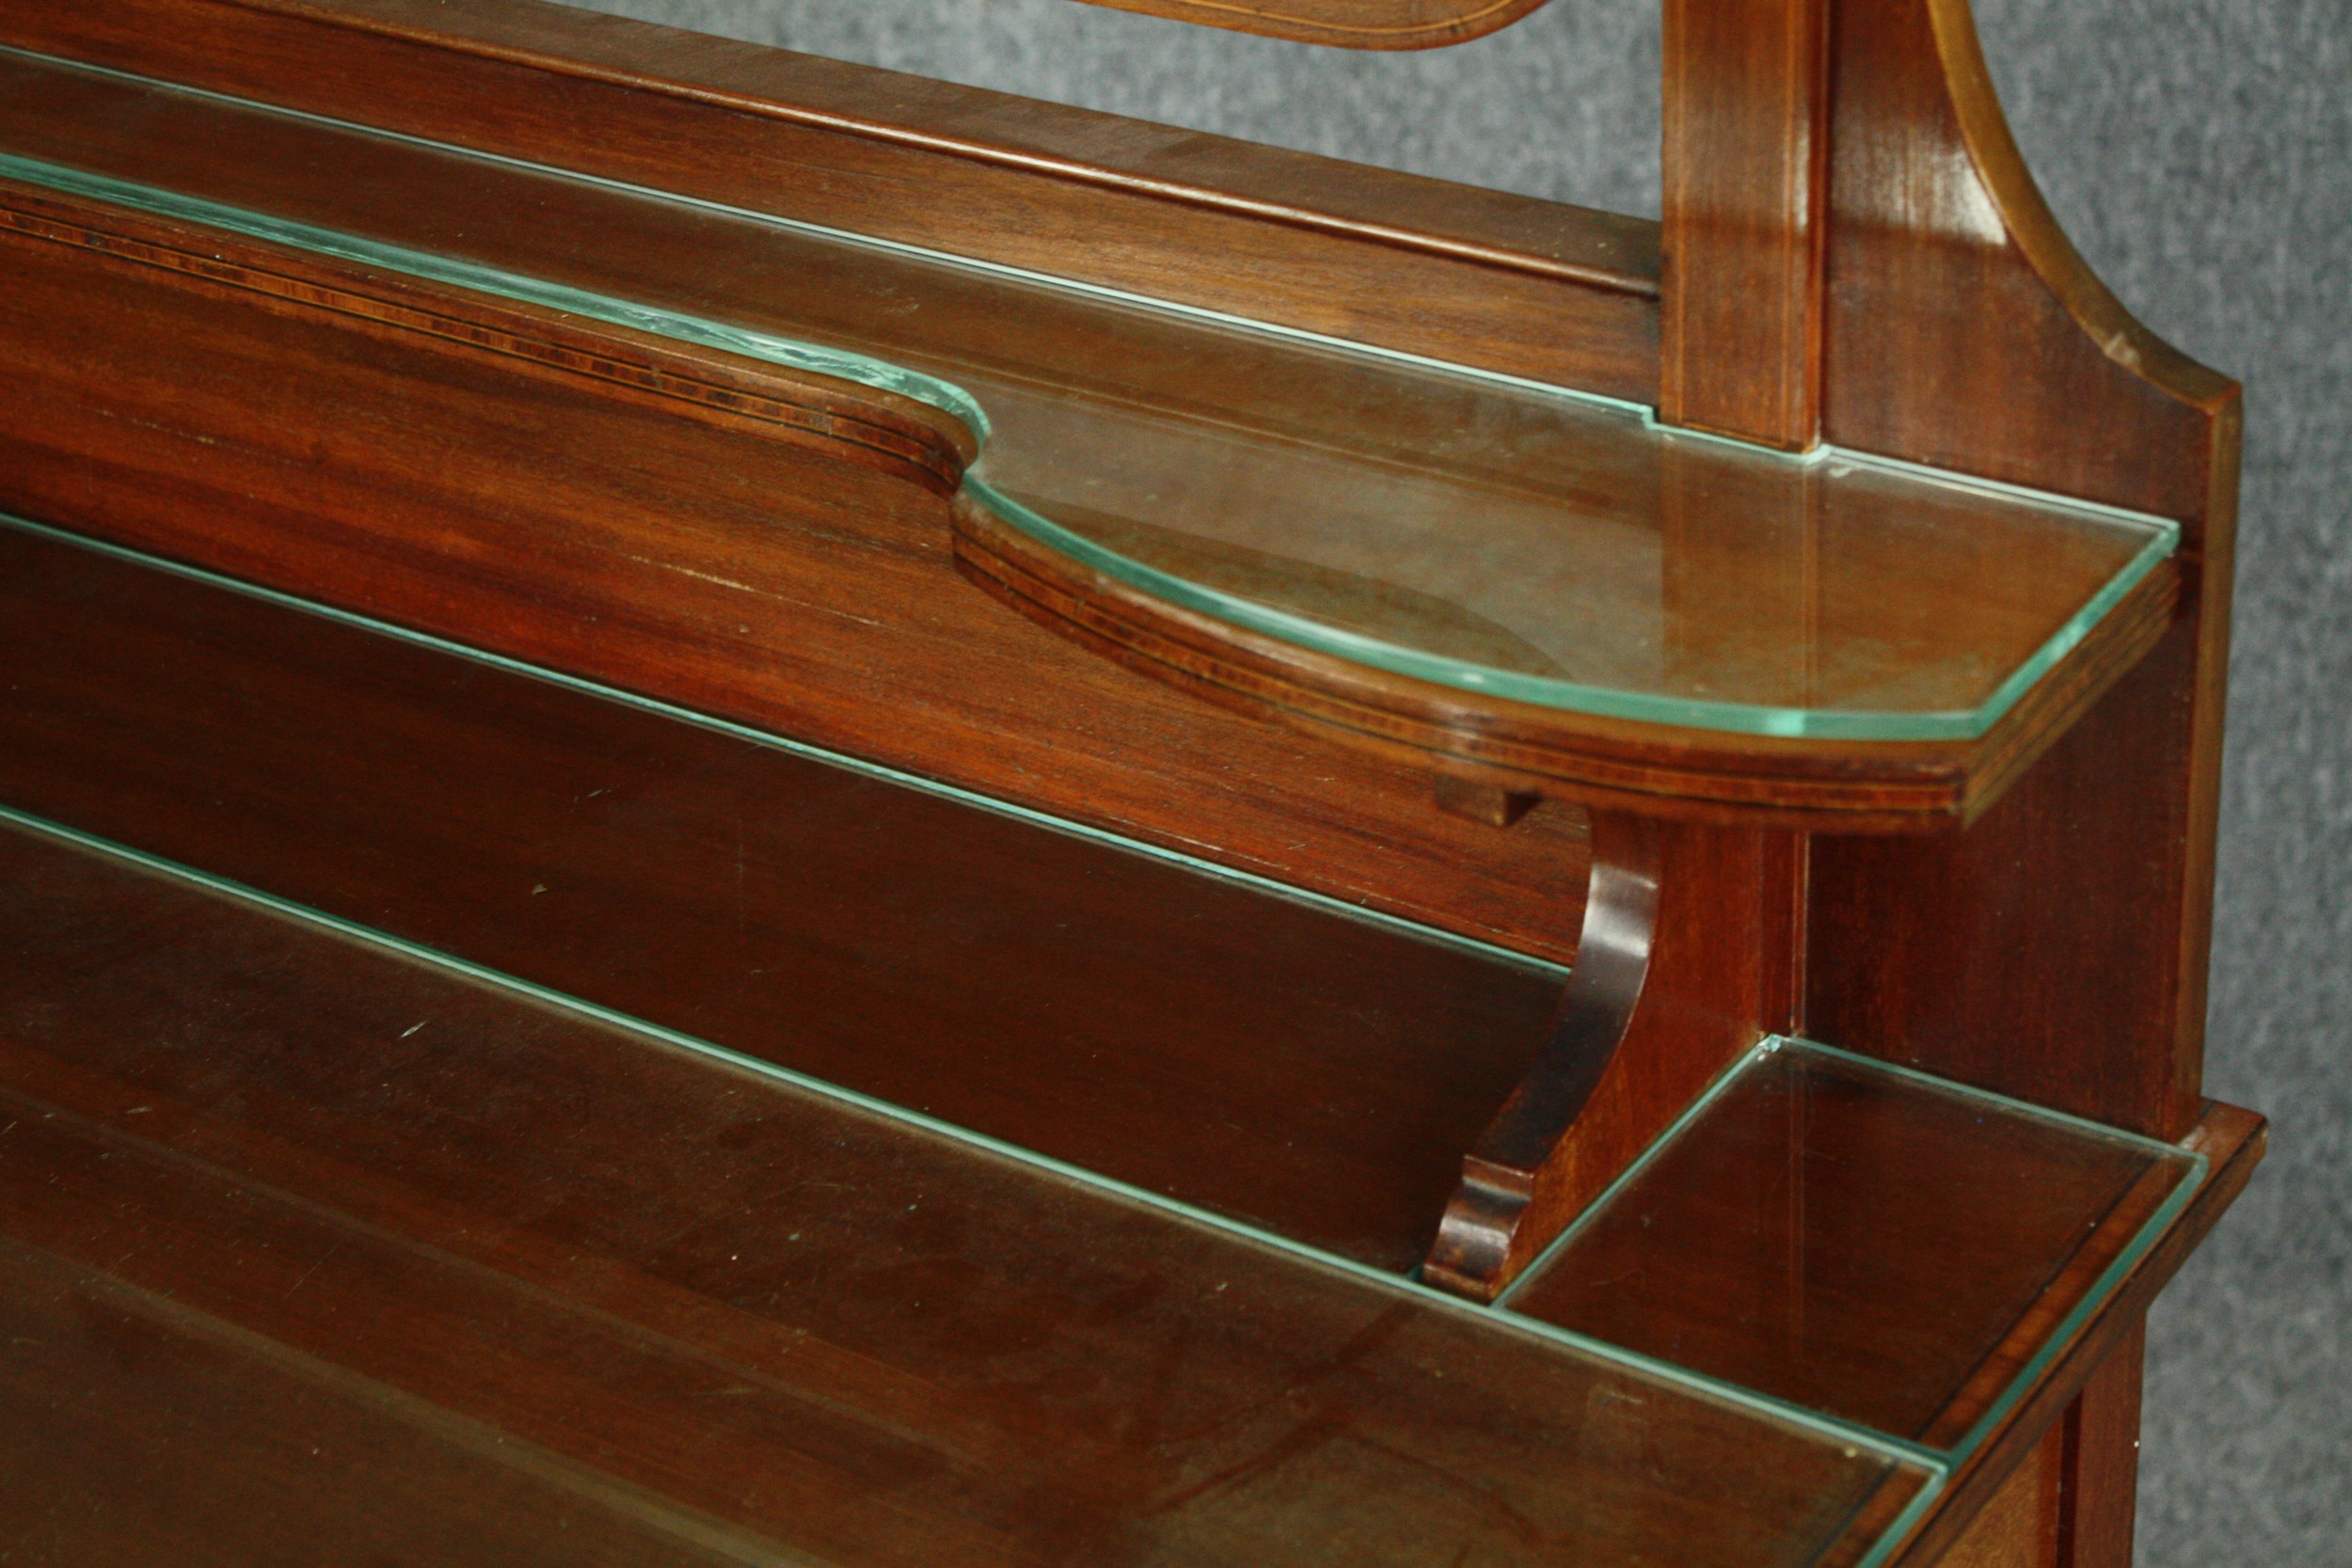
{"x":1492,"y":536}
{"x":310,"y":1250}
{"x":1866,"y":1242}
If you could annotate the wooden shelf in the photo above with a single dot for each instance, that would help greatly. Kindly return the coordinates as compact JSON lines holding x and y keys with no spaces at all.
{"x":1521,"y":588}
{"x":1208,"y":1039}
{"x":1887,"y":1247}
{"x":1061,"y":579}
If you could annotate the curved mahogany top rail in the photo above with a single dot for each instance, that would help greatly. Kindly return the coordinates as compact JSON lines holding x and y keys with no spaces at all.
{"x":1347,"y":24}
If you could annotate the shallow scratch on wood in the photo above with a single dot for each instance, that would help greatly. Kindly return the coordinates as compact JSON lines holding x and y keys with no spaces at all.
{"x":314,"y":1268}
{"x":747,"y":588}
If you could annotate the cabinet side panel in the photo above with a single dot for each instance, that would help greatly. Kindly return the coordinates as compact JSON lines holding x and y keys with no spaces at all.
{"x":2069,"y":928}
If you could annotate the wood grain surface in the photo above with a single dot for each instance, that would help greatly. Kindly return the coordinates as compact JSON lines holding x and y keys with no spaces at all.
{"x":1347,"y":24}
{"x":1204,"y":1040}
{"x":1851,"y":249}
{"x":1963,"y":328}
{"x":1745,"y":161}
{"x":1506,"y":282}
{"x":1911,"y":1300}
{"x":1743,"y":781}
{"x":2233,"y":1140}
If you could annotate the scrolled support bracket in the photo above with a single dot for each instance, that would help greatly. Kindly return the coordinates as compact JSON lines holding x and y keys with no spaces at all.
{"x":1480,"y":1243}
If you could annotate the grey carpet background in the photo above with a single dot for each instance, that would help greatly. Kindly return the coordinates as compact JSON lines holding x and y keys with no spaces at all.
{"x":2200,"y":153}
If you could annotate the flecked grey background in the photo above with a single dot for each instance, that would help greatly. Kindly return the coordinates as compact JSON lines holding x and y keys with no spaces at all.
{"x":2200,"y":153}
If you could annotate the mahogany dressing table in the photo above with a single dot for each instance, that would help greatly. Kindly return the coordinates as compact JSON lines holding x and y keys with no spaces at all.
{"x":758,"y":812}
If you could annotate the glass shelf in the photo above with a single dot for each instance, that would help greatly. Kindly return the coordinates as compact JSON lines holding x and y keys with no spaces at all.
{"x":301,"y":1220}
{"x":1492,"y":536}
{"x":1890,"y":1248}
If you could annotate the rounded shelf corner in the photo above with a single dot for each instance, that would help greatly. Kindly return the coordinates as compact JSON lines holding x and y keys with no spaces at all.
{"x":1646,"y":754}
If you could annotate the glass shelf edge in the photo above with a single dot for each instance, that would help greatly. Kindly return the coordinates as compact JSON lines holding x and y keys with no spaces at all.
{"x":2196,"y":1169}
{"x":1340,"y":908}
{"x":1646,"y":413}
{"x":2101,"y":1291}
{"x":1894,"y":1450}
{"x":871,"y":241}
{"x":1901,"y":1527}
{"x":2159,"y":548}
{"x":790,"y":354}
{"x":1826,"y":453}
{"x":1716,"y":1089}
{"x":2148,"y":1142}
{"x":1785,"y":723}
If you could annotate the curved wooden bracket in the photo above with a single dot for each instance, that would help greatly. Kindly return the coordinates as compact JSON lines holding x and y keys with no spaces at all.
{"x":1474,"y":1248}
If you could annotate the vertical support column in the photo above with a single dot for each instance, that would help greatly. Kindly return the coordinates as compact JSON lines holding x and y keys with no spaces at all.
{"x":2099,"y":1477}
{"x":1745,"y":159}
{"x":1964,"y":330}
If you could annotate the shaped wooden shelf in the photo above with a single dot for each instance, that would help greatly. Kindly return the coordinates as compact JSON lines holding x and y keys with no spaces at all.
{"x":1527,"y":591}
{"x":1893,"y":685}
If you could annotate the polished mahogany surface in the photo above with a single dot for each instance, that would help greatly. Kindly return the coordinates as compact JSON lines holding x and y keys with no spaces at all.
{"x":1278,"y":1059}
{"x":1852,"y":249}
{"x":1861,"y":1240}
{"x":1347,"y":24}
{"x":141,"y":1430}
{"x":399,"y":1246}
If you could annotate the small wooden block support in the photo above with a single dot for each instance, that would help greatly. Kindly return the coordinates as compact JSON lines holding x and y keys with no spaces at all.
{"x":1495,"y":807}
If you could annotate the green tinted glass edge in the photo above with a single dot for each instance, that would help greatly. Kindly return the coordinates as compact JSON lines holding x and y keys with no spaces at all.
{"x":2192,"y":1168}
{"x":1600,"y":702}
{"x":766,"y":347}
{"x":1667,"y":1137}
{"x":1328,"y":904}
{"x":851,"y":237}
